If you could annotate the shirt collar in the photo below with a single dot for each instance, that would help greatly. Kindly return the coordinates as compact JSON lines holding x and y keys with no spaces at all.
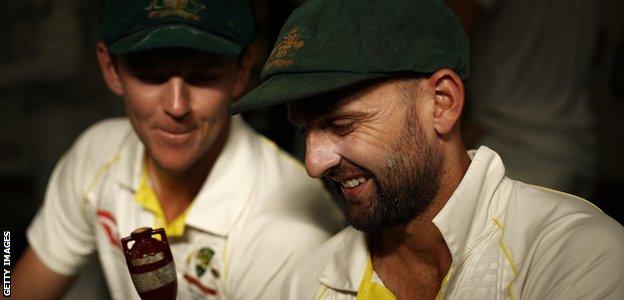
{"x":464,"y":218}
{"x":225,"y":192}
{"x":461,"y":221}
{"x":346,"y":267}
{"x":230,"y":184}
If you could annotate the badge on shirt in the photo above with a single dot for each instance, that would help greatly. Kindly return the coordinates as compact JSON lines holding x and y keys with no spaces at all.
{"x":203,"y":284}
{"x":202,"y":262}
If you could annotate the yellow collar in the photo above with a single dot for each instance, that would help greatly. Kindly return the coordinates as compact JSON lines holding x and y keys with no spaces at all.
{"x":209,"y":212}
{"x":369,"y":289}
{"x":146,"y":197}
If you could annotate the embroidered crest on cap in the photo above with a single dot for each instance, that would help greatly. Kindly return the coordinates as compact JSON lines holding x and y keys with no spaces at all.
{"x":185,"y":9}
{"x":282,"y":54}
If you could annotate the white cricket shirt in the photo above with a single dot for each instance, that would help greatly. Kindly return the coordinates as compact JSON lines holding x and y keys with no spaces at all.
{"x":255,"y":215}
{"x":508,"y":240}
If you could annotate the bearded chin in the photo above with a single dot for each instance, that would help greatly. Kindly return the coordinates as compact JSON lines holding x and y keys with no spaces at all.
{"x":393,"y":206}
{"x":406,"y":185}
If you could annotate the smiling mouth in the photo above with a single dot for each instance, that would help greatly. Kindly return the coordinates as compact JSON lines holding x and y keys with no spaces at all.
{"x":353,"y":185}
{"x":176,"y":131}
{"x":352,"y":182}
{"x":354,"y":189}
{"x":176,"y":136}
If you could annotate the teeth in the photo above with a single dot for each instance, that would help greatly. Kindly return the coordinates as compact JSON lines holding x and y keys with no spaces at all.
{"x":353,"y":182}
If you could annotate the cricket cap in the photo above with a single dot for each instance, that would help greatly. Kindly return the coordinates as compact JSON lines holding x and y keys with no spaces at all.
{"x":222,"y":27}
{"x":327,"y":45}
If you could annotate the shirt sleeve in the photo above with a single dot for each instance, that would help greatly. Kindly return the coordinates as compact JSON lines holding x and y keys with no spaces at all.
{"x":582,"y":261}
{"x":61,"y":234}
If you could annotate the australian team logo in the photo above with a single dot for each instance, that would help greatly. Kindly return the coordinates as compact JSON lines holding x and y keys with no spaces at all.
{"x":202,"y":261}
{"x":201,"y":272}
{"x":284,"y":52}
{"x":185,"y":9}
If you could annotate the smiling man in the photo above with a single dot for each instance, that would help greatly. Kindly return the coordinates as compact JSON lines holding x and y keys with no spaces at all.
{"x":378,"y":88}
{"x":237,"y":210}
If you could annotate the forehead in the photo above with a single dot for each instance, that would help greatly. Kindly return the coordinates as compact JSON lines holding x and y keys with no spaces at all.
{"x":369,"y":97}
{"x":175,"y":57}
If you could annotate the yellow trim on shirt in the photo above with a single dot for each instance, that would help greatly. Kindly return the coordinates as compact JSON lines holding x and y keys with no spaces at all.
{"x":510,"y":291}
{"x":564,"y":194}
{"x":508,"y":257}
{"x":444,"y":284}
{"x":504,"y":248}
{"x":94,"y":182}
{"x":321,"y":293}
{"x":369,"y":290}
{"x":146,"y":197}
{"x":498,"y":223}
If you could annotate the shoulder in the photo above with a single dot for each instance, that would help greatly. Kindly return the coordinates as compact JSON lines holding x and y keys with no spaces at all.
{"x":547,"y":209}
{"x":276,"y":161}
{"x":283,"y":166}
{"x":104,"y":137}
{"x":542,"y":212}
{"x":558,"y":235}
{"x":564,"y":237}
{"x":95,"y":146}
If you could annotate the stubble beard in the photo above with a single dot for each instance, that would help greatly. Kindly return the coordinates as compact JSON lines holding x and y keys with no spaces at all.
{"x":406,"y":184}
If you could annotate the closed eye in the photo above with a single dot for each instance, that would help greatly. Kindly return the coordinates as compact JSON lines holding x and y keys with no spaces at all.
{"x":342,"y":127}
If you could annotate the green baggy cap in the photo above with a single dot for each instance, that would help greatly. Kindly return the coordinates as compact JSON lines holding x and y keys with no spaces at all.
{"x":223,"y":27}
{"x":327,"y":45}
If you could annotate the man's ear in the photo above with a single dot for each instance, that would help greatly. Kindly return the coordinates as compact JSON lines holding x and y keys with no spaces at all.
{"x":246,"y":64}
{"x":108,"y":68}
{"x":449,"y":100}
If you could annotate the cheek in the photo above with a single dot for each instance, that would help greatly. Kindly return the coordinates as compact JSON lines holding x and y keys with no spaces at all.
{"x":212,"y":110}
{"x":138,"y":109}
{"x":363,"y":151}
{"x":141,"y":101}
{"x":211,"y":103}
{"x":377,"y":149}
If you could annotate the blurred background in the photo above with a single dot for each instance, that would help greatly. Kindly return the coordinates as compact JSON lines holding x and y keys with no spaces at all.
{"x":51,"y":90}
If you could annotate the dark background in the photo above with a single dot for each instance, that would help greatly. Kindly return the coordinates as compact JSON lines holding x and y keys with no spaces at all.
{"x":51,"y":90}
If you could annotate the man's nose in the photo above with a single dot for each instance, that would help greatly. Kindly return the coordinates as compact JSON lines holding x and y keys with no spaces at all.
{"x":176,"y":98}
{"x":321,"y":155}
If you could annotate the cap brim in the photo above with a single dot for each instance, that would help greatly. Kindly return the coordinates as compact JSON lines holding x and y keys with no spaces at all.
{"x":175,"y":36}
{"x":284,"y":88}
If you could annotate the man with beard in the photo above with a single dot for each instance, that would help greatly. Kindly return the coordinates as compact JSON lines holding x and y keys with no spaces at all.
{"x":379,"y":95}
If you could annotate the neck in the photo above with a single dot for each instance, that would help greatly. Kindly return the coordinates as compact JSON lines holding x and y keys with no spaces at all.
{"x":420,"y":241}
